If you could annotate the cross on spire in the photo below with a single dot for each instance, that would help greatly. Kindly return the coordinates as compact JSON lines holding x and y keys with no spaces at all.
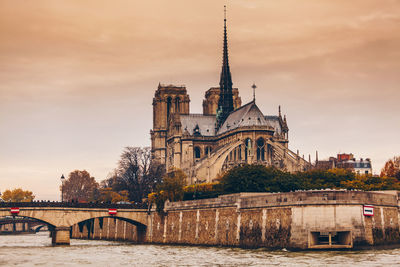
{"x":224,"y":13}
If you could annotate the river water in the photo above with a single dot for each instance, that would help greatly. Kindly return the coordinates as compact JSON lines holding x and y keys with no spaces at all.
{"x":36,"y":250}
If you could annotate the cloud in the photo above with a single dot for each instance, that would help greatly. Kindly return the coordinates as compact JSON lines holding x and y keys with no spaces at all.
{"x":74,"y":75}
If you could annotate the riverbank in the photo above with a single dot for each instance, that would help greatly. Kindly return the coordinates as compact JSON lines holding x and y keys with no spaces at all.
{"x":327,"y":219}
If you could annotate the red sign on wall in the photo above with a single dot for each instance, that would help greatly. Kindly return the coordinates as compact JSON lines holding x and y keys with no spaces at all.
{"x":14,"y":211}
{"x":112,"y":211}
{"x":368,"y":210}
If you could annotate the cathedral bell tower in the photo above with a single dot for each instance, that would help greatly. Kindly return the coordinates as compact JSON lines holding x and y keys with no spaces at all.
{"x":168,"y":100}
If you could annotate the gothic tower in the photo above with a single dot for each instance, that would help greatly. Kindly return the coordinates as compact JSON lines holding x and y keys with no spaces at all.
{"x":168,"y":100}
{"x":211,"y":100}
{"x":225,"y":102}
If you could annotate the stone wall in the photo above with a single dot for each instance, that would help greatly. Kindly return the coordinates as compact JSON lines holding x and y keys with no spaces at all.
{"x":281,"y":220}
{"x":297,"y":220}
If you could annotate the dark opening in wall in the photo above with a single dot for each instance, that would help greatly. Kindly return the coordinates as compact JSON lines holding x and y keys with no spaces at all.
{"x":333,"y":239}
{"x":323,"y":238}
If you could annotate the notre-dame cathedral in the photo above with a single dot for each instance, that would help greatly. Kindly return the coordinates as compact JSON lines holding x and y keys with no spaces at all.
{"x":225,"y":135}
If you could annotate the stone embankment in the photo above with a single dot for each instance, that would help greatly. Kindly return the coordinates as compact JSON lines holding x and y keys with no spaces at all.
{"x":327,"y":219}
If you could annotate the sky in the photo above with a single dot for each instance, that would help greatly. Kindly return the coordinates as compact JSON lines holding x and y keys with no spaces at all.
{"x":77,"y":77}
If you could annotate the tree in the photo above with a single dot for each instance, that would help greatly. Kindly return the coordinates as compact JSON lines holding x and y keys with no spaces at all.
{"x":136,"y":173}
{"x":257,"y":178}
{"x":80,"y":186}
{"x":17,"y":195}
{"x":108,"y":195}
{"x":391,"y":168}
{"x":171,"y":188}
{"x":173,"y":184}
{"x":203,"y":190}
{"x":321,"y":179}
{"x":372,"y":183}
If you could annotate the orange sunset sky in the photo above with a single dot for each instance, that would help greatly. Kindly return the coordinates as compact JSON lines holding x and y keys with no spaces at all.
{"x":77,"y":77}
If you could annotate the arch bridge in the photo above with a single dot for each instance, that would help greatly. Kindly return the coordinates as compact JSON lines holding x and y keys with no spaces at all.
{"x":26,"y":224}
{"x":61,"y":216}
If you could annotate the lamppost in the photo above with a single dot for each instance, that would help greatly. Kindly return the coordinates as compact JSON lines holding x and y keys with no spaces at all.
{"x":62,"y":187}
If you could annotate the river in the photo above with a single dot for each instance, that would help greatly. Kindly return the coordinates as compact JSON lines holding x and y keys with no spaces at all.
{"x":36,"y":250}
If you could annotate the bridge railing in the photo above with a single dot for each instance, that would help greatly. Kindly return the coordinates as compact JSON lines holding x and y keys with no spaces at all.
{"x":73,"y":205}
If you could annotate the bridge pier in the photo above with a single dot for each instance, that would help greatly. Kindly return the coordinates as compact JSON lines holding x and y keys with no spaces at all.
{"x":141,"y":233}
{"x":60,"y":236}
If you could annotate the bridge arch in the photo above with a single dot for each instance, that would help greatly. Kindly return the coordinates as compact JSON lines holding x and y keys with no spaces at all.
{"x":136,"y":223}
{"x":37,"y":229}
{"x":4,"y":214}
{"x":27,"y":224}
{"x":137,"y":218}
{"x":93,"y":228}
{"x":60,"y":217}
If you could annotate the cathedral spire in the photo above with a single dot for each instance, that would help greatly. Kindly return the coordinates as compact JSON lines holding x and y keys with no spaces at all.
{"x":225,"y":103}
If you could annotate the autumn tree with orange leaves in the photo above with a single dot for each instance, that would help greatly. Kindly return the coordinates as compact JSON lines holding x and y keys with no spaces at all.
{"x":392,"y":168}
{"x":80,"y":186}
{"x":17,"y":195}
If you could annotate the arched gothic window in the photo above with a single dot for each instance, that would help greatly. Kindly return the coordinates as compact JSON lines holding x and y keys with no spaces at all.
{"x":247,"y":148}
{"x":169,"y":107}
{"x":177,"y":105}
{"x":197,"y":152}
{"x":260,"y":149}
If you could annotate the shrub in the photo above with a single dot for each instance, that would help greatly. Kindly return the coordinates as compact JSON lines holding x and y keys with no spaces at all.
{"x":256,"y":178}
{"x":200,"y":191}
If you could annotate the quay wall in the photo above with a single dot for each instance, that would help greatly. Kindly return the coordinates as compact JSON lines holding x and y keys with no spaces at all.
{"x":326,"y":219}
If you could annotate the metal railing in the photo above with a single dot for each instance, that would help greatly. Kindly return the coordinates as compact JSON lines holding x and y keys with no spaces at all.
{"x":73,"y":205}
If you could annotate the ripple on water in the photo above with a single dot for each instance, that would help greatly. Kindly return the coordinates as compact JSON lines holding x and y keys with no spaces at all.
{"x":36,"y":250}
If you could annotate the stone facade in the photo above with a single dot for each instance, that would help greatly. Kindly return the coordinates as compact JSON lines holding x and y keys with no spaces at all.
{"x":167,"y":101}
{"x":225,"y":135}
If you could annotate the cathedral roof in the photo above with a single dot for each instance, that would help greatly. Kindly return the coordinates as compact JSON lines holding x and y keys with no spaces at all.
{"x":204,"y":123}
{"x":250,"y":115}
{"x":274,"y":122}
{"x":247,"y":115}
